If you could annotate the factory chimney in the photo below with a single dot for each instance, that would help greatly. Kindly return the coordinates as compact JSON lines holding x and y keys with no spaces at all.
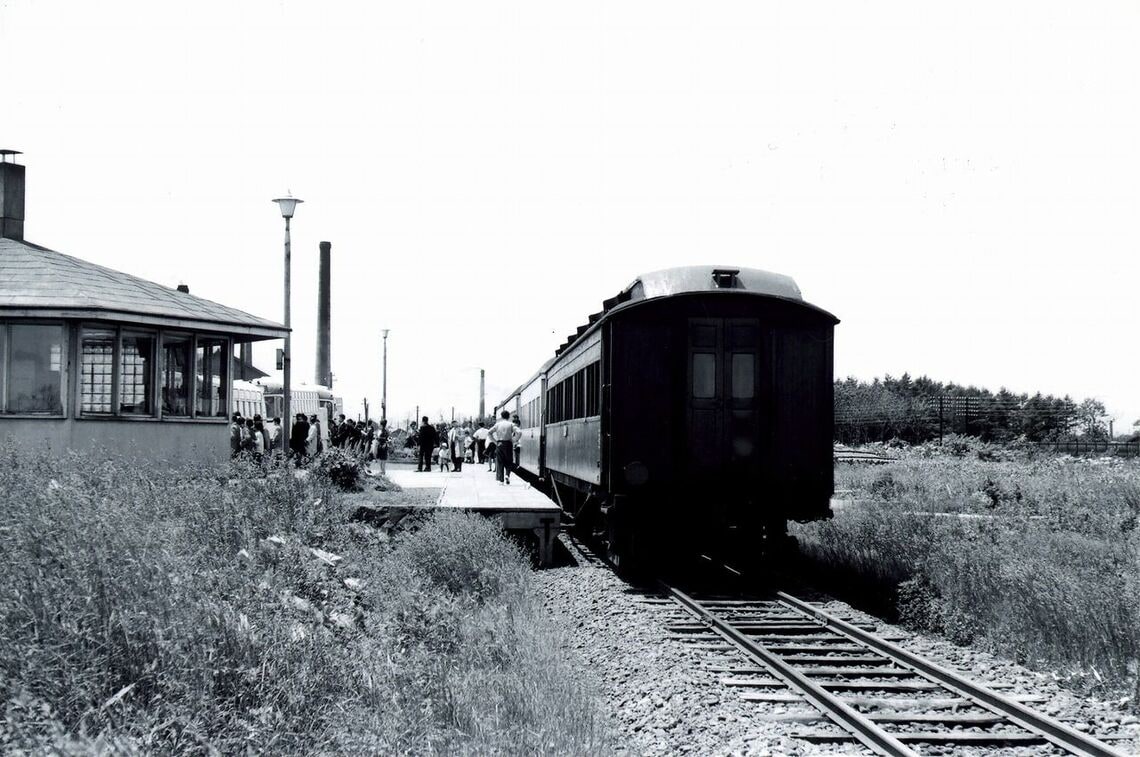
{"x":11,"y":196}
{"x":324,"y":318}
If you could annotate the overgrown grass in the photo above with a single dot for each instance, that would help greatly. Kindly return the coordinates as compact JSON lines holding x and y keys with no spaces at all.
{"x":1038,"y":559}
{"x":157,"y":609}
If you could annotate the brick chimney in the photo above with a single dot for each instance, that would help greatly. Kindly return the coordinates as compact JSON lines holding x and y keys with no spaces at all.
{"x":11,"y":196}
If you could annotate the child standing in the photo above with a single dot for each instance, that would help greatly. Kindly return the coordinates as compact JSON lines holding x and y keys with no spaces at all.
{"x":444,"y":458}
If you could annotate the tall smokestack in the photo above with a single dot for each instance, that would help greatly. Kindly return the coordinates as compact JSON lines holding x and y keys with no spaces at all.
{"x":246,"y":360}
{"x":324,"y":318}
{"x":11,"y":197}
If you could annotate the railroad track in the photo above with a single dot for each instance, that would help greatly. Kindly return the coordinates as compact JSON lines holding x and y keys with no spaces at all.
{"x":870,"y":689}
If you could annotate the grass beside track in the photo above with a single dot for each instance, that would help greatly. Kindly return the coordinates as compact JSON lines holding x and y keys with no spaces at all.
{"x":1036,"y":559}
{"x":152,"y":609}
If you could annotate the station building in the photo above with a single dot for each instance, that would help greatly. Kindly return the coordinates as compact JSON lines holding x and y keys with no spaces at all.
{"x":92,"y":357}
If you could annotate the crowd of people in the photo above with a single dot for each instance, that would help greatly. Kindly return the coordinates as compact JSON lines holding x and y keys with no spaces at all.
{"x":253,"y":439}
{"x":497,"y":446}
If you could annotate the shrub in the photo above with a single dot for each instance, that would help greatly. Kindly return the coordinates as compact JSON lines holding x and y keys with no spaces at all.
{"x":342,"y":468}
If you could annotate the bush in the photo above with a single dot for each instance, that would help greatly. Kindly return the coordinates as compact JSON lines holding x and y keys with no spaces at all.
{"x":342,"y":468}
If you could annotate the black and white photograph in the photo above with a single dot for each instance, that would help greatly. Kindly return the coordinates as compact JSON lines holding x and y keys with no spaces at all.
{"x":597,"y":378}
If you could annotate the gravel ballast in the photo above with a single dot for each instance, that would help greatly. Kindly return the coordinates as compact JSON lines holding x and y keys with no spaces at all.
{"x":661,"y":698}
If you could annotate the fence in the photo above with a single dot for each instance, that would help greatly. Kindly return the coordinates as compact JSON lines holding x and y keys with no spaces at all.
{"x":1085,"y":447}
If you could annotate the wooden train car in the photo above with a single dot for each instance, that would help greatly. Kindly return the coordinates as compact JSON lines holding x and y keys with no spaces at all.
{"x":695,"y":406}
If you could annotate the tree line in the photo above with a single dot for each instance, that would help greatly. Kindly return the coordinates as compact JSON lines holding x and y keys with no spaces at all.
{"x":919,"y":409}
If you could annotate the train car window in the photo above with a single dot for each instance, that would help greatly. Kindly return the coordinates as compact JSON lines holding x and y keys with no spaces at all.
{"x":591,"y":389}
{"x":576,"y":396}
{"x":704,"y":375}
{"x":743,"y":375}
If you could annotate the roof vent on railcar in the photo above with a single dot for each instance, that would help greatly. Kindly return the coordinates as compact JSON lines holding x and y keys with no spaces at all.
{"x":726,"y":278}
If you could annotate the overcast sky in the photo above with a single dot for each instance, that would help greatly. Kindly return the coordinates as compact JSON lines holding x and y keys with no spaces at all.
{"x":958,"y":182}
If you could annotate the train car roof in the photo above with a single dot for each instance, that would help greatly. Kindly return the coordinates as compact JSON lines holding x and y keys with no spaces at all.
{"x":692,"y":279}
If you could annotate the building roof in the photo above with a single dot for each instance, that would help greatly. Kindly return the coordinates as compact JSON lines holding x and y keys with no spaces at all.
{"x":38,"y":282}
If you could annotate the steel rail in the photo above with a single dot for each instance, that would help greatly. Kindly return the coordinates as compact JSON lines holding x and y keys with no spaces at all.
{"x":871,"y":735}
{"x":1053,"y":731}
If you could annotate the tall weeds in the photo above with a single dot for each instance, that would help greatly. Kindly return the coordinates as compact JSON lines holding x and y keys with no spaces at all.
{"x":153,"y":608}
{"x":1038,"y":559}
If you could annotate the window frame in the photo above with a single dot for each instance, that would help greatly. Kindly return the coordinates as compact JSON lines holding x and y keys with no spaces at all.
{"x":6,"y":367}
{"x":154,"y":374}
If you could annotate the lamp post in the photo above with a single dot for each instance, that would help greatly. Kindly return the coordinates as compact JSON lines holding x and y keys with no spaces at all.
{"x":287,"y":204}
{"x":384,"y":382}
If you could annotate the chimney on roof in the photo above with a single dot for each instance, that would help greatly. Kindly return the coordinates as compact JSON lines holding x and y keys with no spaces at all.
{"x":324,"y":317}
{"x":11,"y":196}
{"x":185,"y":289}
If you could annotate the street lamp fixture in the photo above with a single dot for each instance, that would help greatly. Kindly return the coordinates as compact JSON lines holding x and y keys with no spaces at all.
{"x":287,"y":205}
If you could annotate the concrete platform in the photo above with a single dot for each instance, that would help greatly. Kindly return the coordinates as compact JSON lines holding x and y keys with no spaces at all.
{"x":519,"y":506}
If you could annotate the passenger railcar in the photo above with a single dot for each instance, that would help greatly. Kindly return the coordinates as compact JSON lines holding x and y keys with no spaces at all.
{"x":696,"y":406}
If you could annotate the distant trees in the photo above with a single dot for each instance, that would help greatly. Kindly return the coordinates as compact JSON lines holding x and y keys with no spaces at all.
{"x":917,"y":409}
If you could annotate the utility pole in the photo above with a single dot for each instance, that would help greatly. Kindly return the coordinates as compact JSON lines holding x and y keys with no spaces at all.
{"x":482,"y":394}
{"x":384,"y":382}
{"x":366,"y":410}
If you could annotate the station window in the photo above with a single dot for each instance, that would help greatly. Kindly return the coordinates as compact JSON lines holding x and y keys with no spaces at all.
{"x":176,"y":374}
{"x":210,"y":357}
{"x":31,"y":368}
{"x":97,"y":371}
{"x":136,"y":372}
{"x":124,"y":373}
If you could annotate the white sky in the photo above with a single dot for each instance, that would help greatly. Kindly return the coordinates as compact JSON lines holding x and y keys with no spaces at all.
{"x":957,"y":182}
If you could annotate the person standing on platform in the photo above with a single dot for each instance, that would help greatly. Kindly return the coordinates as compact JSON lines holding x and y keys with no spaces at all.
{"x":382,"y":447}
{"x":516,"y":439}
{"x":313,"y":438}
{"x":297,"y":438}
{"x":258,"y":447}
{"x":503,"y":434}
{"x":455,"y":445}
{"x":273,"y":435}
{"x":481,"y":443}
{"x":427,"y":438}
{"x":235,"y":435}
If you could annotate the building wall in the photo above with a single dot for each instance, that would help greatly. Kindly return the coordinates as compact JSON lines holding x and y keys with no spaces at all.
{"x":169,"y":441}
